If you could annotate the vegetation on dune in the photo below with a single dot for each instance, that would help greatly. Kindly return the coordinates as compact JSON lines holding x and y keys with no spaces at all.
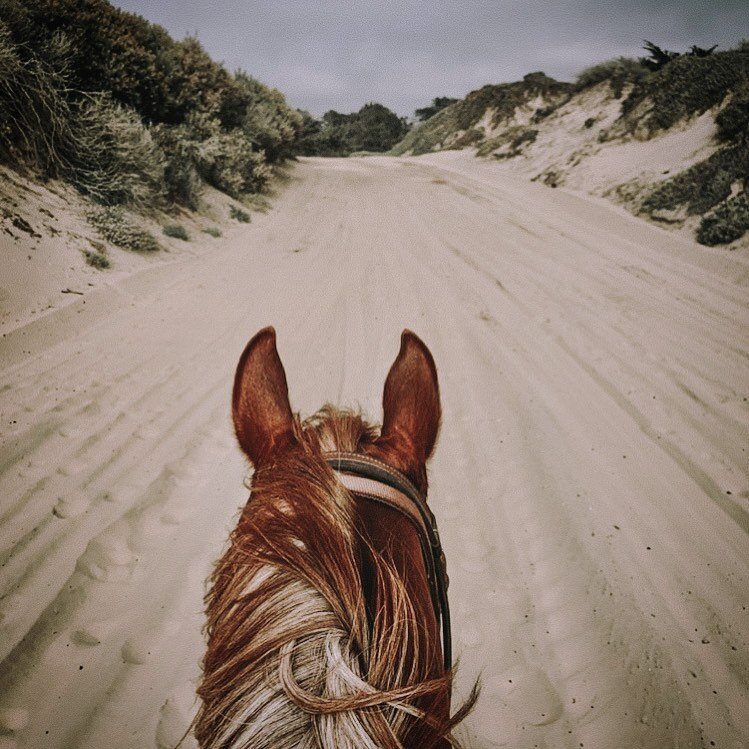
{"x":96,"y":259}
{"x":684,"y":85}
{"x":728,"y":222}
{"x":116,"y":227}
{"x":177,"y":231}
{"x":374,"y":128}
{"x":688,"y":85}
{"x":438,"y":104}
{"x":110,"y":102}
{"x":701,"y":187}
{"x":657,"y":92}
{"x":447,"y":126}
{"x":617,"y":73}
{"x":239,"y":215}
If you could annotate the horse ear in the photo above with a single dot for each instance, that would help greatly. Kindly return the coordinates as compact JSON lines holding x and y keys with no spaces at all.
{"x":260,"y":401}
{"x":411,"y":403}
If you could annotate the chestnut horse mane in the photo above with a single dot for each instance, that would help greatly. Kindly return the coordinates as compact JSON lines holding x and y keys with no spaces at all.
{"x":292,"y":659}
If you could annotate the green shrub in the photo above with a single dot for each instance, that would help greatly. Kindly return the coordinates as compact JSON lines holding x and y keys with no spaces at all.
{"x":228,"y":162}
{"x":257,"y":201}
{"x":468,"y":138}
{"x":207,"y":124}
{"x":201,"y":151}
{"x":498,"y":141}
{"x":702,"y":186}
{"x":36,"y":122}
{"x":733,"y":119}
{"x":177,"y":231}
{"x":97,"y":259}
{"x":543,"y":112}
{"x":617,"y":73}
{"x":182,"y":181}
{"x":237,"y":213}
{"x":116,"y":159}
{"x":729,"y":221}
{"x":526,"y":136}
{"x":213,"y":231}
{"x":114,"y":226}
{"x":269,"y":123}
{"x":100,"y":146}
{"x":688,"y":85}
{"x":373,"y":128}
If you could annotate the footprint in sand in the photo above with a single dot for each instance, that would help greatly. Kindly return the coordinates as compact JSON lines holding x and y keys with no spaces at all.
{"x":136,"y":651}
{"x":70,"y":430}
{"x":107,"y":558}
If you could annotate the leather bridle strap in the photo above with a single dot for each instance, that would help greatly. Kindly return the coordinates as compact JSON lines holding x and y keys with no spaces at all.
{"x":376,"y":481}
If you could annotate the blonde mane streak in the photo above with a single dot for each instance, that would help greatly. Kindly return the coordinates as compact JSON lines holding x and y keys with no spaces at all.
{"x":290,"y":659}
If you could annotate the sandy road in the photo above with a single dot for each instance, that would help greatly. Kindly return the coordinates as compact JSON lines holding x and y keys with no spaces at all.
{"x":590,"y":477}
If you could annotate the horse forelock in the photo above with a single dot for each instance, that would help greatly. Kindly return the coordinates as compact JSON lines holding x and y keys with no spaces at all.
{"x":292,"y":660}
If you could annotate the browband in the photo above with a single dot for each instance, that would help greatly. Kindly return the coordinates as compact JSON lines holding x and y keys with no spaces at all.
{"x":369,"y":477}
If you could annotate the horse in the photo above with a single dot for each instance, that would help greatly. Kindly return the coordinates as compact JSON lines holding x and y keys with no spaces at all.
{"x":326,"y":618}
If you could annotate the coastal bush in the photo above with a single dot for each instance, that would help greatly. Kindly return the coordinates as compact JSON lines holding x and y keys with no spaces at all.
{"x":212,"y":231}
{"x":97,"y":259}
{"x":468,"y":138}
{"x":239,"y":215}
{"x":113,"y":225}
{"x":728,"y":222}
{"x":702,"y":186}
{"x":373,"y":128}
{"x":526,"y":136}
{"x":108,"y":101}
{"x":502,"y":100}
{"x":269,"y":123}
{"x":733,"y":119}
{"x":688,"y":85}
{"x":177,"y":231}
{"x":699,"y":188}
{"x":116,"y":159}
{"x":36,"y":121}
{"x":229,"y":163}
{"x":182,"y":181}
{"x":438,"y":103}
{"x":617,"y":73}
{"x":543,"y":112}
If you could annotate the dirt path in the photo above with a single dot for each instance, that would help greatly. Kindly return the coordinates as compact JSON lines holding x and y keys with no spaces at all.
{"x":590,"y":477}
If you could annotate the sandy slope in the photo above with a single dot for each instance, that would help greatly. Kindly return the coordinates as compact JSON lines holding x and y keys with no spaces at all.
{"x":590,"y":476}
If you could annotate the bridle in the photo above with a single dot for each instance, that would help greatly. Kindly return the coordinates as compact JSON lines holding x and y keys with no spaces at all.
{"x":376,"y":481}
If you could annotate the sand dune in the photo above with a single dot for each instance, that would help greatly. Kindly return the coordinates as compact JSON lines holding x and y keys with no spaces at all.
{"x":590,"y":478}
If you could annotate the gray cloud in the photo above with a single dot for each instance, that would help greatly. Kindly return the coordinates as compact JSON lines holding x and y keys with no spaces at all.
{"x":339,"y":55}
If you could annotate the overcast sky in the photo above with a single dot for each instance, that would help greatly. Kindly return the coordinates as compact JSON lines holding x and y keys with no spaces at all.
{"x":340,"y":55}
